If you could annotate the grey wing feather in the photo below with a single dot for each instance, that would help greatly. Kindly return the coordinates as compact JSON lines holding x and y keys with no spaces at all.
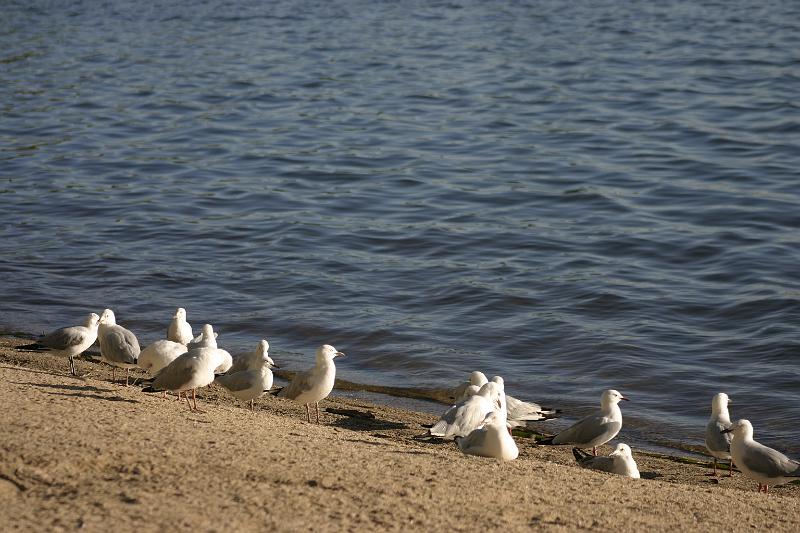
{"x":604,"y":464}
{"x":120,"y":345}
{"x":236,"y":381}
{"x":771,"y":462}
{"x":475,"y":439}
{"x":716,"y":440}
{"x":176,"y":374}
{"x":586,"y":430}
{"x":300,"y":384}
{"x":63,"y":338}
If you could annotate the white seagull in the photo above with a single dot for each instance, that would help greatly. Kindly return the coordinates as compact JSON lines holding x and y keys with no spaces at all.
{"x":206,"y":339}
{"x":118,"y":346}
{"x":765,"y":465}
{"x":519,"y":412}
{"x":253,"y":359}
{"x":249,"y":383}
{"x":316,"y":383}
{"x":189,"y":371}
{"x":492,"y":439}
{"x":179,"y":330}
{"x":620,"y":461}
{"x":718,"y":443}
{"x":460,"y":419}
{"x":69,"y":341}
{"x":596,"y":429}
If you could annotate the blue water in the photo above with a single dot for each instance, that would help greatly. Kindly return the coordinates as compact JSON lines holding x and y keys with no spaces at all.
{"x":574,"y":195}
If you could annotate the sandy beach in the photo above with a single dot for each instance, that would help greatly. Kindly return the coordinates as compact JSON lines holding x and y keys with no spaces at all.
{"x":84,"y":453}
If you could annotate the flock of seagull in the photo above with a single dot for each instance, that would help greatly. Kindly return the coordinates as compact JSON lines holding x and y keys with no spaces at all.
{"x":479,"y":421}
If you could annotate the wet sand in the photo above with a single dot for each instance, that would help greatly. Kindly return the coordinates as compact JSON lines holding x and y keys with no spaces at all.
{"x":85,"y":453}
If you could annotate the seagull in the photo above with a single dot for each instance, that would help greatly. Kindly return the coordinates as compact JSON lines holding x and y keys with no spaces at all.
{"x":189,"y":371}
{"x":315,"y":383}
{"x":492,"y":439}
{"x":718,"y":444}
{"x":250,"y":383}
{"x":206,"y":339}
{"x":158,"y":355}
{"x":460,"y":419}
{"x":765,"y":465}
{"x":595,"y":429}
{"x":470,"y":387}
{"x":620,"y":461}
{"x":179,"y":330}
{"x":253,"y":359}
{"x":69,"y":341}
{"x":118,"y":346}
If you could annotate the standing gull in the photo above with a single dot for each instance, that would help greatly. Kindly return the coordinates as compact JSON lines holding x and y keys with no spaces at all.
{"x":718,"y":443}
{"x":118,"y":346}
{"x":249,"y":383}
{"x":620,"y":461}
{"x":189,"y":371}
{"x":253,"y":359}
{"x":315,"y":383}
{"x":69,"y":341}
{"x":596,"y":429}
{"x":206,"y":339}
{"x":158,"y":355}
{"x":179,"y":330}
{"x":765,"y":465}
{"x":492,"y":439}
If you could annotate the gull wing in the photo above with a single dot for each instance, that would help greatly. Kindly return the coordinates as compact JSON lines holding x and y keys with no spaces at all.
{"x":587,"y":429}
{"x":64,"y":338}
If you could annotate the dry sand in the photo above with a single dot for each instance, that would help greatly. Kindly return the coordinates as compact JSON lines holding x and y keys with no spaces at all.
{"x":83,"y":453}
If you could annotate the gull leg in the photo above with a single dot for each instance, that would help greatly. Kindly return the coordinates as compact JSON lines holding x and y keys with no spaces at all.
{"x":317,"y":405}
{"x":730,"y":468}
{"x":759,"y":487}
{"x":127,"y":375}
{"x":194,"y":399}
{"x":165,"y":394}
{"x":594,"y":451}
{"x":715,"y":467}
{"x":308,"y":414}
{"x":72,"y":366}
{"x":252,"y":408}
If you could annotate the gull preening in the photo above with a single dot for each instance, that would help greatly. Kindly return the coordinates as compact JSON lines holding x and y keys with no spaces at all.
{"x":316,"y":383}
{"x":470,"y":387}
{"x":765,"y":465}
{"x":179,"y":329}
{"x":118,"y":346}
{"x":718,"y":443}
{"x":596,"y":429}
{"x":491,"y":439}
{"x":248,"y":384}
{"x":253,"y":359}
{"x":206,"y":339}
{"x":620,"y":461}
{"x":69,"y":341}
{"x":460,"y":419}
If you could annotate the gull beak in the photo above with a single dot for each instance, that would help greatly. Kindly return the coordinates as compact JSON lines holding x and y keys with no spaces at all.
{"x":273,"y":365}
{"x":626,"y":399}
{"x":339,"y":354}
{"x":729,"y":430}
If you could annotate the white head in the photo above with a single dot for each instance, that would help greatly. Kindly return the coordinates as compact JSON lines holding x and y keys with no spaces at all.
{"x":497,"y":380}
{"x":209,"y":337}
{"x":611,"y":397}
{"x":495,"y":418}
{"x":263,"y":347}
{"x":108,"y":318}
{"x":180,"y":313}
{"x":92,"y":321}
{"x":741,"y":429}
{"x":622,"y":450}
{"x":477,"y":378}
{"x":719,"y":404}
{"x":327,"y":352}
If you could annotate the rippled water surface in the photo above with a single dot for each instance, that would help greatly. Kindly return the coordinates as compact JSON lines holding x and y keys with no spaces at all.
{"x":574,"y":195}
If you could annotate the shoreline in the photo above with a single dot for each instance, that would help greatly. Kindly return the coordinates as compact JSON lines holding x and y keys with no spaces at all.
{"x":80,"y":451}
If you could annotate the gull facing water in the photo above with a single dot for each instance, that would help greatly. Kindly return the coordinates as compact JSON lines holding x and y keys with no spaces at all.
{"x":596,"y":429}
{"x":765,"y":465}
{"x":460,"y":419}
{"x":69,"y":341}
{"x":249,"y":383}
{"x":718,"y":443}
{"x":316,"y":383}
{"x":179,"y":329}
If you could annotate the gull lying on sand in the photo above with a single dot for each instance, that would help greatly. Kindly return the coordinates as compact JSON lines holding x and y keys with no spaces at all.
{"x":467,"y":415}
{"x":189,"y":371}
{"x":470,"y":387}
{"x":620,"y":461}
{"x":69,"y":341}
{"x":179,"y":330}
{"x":118,"y":346}
{"x":492,"y":439}
{"x":595,"y":429}
{"x":718,"y":443}
{"x":765,"y":465}
{"x":314,"y":384}
{"x":249,"y":383}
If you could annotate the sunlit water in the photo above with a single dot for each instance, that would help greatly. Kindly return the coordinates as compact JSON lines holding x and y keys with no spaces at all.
{"x":574,"y":195}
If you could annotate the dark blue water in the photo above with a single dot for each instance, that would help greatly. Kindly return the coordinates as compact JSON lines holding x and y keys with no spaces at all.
{"x":574,"y":195}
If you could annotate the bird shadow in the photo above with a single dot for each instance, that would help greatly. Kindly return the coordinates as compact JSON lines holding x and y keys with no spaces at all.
{"x":95,"y":396}
{"x":362,"y":420}
{"x":83,"y":388}
{"x":650,"y":475}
